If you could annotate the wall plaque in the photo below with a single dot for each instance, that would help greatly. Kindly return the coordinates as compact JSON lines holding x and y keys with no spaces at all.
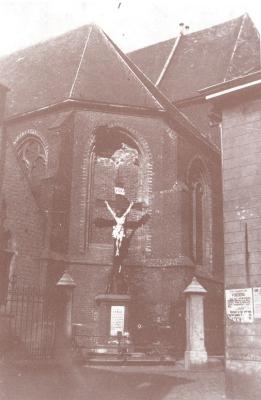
{"x":239,"y":305}
{"x":117,"y":319}
{"x":257,"y":301}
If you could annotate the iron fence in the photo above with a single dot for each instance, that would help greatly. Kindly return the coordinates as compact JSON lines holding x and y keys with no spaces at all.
{"x":29,"y":319}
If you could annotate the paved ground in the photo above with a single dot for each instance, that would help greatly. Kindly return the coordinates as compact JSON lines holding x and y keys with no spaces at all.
{"x":56,"y":382}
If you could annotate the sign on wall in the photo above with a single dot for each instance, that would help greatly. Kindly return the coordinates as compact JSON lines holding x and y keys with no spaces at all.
{"x":117,"y":319}
{"x":257,"y":301}
{"x":239,"y":305}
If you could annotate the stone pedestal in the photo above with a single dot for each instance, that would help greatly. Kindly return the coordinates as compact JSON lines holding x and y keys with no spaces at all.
{"x":195,"y":354}
{"x":63,"y":335}
{"x":113,"y":322}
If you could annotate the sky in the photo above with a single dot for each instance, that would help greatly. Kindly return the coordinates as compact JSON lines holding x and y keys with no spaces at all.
{"x":131,"y":24}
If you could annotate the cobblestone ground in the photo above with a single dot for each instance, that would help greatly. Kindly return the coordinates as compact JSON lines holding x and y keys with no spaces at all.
{"x":55,"y":382}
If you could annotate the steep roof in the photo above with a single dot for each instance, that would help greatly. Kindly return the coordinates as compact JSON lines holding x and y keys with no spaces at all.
{"x":193,"y":61}
{"x":43,"y":73}
{"x":82,"y":64}
{"x":202,"y":58}
{"x":177,"y":118}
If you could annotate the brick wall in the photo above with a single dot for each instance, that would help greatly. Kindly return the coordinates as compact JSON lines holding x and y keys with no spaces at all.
{"x":159,"y":269}
{"x":155,"y":155}
{"x":190,"y":156}
{"x":158,"y":264}
{"x":2,"y":136}
{"x":24,"y":221}
{"x":38,"y":220}
{"x":242,"y":191}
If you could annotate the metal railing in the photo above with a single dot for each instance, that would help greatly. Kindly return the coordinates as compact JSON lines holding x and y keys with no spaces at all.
{"x":29,"y":320}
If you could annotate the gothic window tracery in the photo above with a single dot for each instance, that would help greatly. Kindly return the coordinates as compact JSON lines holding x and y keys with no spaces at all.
{"x":32,"y":154}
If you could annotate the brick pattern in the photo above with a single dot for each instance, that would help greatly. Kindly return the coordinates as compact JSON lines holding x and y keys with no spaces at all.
{"x":242,"y":210}
{"x":158,"y":265}
{"x":85,"y":209}
{"x":23,"y":220}
{"x":159,"y":275}
{"x":102,"y":189}
{"x":103,"y":182}
{"x":189,"y":157}
{"x":30,"y":213}
{"x":241,"y":163}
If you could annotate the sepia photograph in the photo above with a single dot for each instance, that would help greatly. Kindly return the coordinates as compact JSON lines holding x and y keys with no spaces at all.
{"x":130,"y":200}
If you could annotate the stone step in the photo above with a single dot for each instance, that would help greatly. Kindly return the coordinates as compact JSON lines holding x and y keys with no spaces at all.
{"x":100,"y":361}
{"x":128,"y":359}
{"x":140,"y":359}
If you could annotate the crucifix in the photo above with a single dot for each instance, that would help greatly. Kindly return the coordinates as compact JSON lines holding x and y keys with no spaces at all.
{"x":119,"y":210}
{"x":118,"y":230}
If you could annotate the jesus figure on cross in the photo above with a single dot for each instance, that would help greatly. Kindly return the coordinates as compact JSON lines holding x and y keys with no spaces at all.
{"x":118,"y":230}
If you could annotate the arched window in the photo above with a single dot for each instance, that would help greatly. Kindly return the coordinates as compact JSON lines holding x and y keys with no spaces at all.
{"x":200,"y":224}
{"x":197,"y":222}
{"x":32,"y":154}
{"x":115,"y":161}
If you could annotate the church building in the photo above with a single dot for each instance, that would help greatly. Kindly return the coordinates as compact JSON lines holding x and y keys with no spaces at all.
{"x":85,"y":124}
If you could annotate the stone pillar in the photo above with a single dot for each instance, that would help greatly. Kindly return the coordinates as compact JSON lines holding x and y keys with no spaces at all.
{"x":64,"y":324}
{"x":67,"y":284}
{"x":195,"y":354}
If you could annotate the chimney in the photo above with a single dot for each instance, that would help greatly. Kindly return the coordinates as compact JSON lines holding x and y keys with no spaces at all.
{"x":183,"y":29}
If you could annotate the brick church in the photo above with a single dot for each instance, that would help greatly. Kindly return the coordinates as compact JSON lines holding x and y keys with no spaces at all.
{"x":83,"y":120}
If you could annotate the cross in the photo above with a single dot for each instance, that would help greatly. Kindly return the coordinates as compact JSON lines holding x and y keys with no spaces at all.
{"x":120,"y":203}
{"x":119,"y":209}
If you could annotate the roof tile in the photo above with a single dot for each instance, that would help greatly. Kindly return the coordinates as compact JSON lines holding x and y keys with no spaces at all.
{"x":202,"y":58}
{"x":81,"y":64}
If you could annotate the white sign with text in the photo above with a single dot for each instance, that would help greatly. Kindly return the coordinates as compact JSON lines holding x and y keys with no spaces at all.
{"x":257,"y":301}
{"x":239,"y":305}
{"x":117,"y":319}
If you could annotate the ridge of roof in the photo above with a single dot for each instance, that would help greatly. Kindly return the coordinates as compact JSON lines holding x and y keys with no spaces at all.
{"x":77,"y":58}
{"x":195,"y":55}
{"x":70,"y":91}
{"x":244,"y":49}
{"x":80,"y":64}
{"x":47,"y":62}
{"x":168,"y":60}
{"x":235,"y":46}
{"x":180,"y":117}
{"x":104,"y":76}
{"x":196,"y":65}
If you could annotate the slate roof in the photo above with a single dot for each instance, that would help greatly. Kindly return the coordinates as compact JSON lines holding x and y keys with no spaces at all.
{"x":43,"y":73}
{"x":84,"y":64}
{"x":202,"y":58}
{"x":81,"y":64}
